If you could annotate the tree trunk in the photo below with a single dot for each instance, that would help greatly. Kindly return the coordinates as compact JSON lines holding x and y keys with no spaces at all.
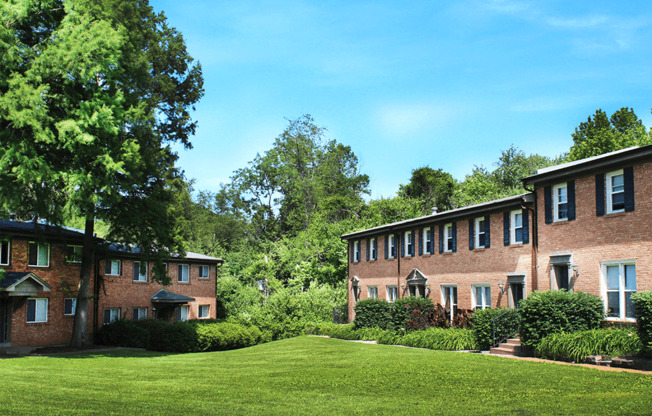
{"x":81,"y":312}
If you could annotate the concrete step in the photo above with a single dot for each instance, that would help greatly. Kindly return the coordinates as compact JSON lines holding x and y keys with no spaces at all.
{"x":513,"y":341}
{"x":510,"y":347}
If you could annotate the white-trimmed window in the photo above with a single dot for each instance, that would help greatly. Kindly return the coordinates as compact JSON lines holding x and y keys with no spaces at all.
{"x":37,"y":310}
{"x":615,"y":191}
{"x":356,"y":251}
{"x":619,"y":285}
{"x":39,"y":254}
{"x":409,"y":243}
{"x":204,"y":311}
{"x":372,"y":292}
{"x":426,"y":238}
{"x":203,"y":272}
{"x":139,"y":313}
{"x":560,"y":202}
{"x":481,"y":295}
{"x":373,"y":255}
{"x":392,"y":293}
{"x":140,"y":271}
{"x":448,"y":238}
{"x":391,"y":246}
{"x":449,"y":299}
{"x":182,"y":313}
{"x":183,"y":273}
{"x":5,"y":250}
{"x":112,"y":267}
{"x":516,"y":227}
{"x":480,"y":234}
{"x":111,"y":315}
{"x":69,"y":306}
{"x":74,"y":254}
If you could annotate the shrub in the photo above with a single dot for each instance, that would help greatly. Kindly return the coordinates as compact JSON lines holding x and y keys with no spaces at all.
{"x":545,"y":313}
{"x":481,"y":322}
{"x":123,"y":333}
{"x":412,"y":312}
{"x":373,"y":312}
{"x":453,"y":339}
{"x":643,"y":307}
{"x":577,"y":346}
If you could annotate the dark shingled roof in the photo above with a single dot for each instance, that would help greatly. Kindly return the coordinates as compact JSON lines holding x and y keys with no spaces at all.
{"x":31,"y":227}
{"x":163,"y":296}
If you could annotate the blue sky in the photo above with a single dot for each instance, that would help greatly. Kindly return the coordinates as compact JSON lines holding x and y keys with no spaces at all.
{"x":409,"y":84}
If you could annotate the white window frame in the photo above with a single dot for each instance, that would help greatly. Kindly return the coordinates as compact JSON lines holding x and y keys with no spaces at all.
{"x":203,"y":311}
{"x":8,"y":249}
{"x":372,"y":249}
{"x":610,"y":192}
{"x":73,"y":302}
{"x":141,"y":277}
{"x":621,"y":288}
{"x":180,"y":278}
{"x":392,"y":293}
{"x":479,"y":231}
{"x":114,"y":315}
{"x":453,"y":301}
{"x":409,"y":245}
{"x":140,"y":316}
{"x":485,"y":301}
{"x":513,"y":228}
{"x":372,"y":292}
{"x":75,"y":247}
{"x":114,"y":262}
{"x":448,"y":235}
{"x":556,"y":201}
{"x":203,"y":268}
{"x":425,"y":237}
{"x":391,"y":245}
{"x":356,"y":251}
{"x":38,"y":255}
{"x":183,"y":308}
{"x":43,"y":302}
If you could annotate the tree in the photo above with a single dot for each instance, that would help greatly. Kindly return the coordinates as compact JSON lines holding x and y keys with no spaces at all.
{"x":600,"y":134}
{"x":433,"y":188}
{"x":91,"y":94}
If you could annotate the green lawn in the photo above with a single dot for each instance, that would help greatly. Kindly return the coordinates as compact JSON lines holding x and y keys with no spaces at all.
{"x":313,"y":376}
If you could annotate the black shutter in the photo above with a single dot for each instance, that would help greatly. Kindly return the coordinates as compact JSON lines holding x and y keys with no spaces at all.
{"x":33,"y":254}
{"x":368,"y":249}
{"x":386,"y":246}
{"x":432,"y":239}
{"x":352,"y":253}
{"x":136,"y":270}
{"x":506,"y":228}
{"x":420,"y":242}
{"x":376,"y":248}
{"x":526,"y":226}
{"x":599,"y":194}
{"x":31,"y":310}
{"x":571,"y":200}
{"x":107,"y":267}
{"x":402,"y":243}
{"x":454,"y":227}
{"x":412,"y":243}
{"x":628,"y":176}
{"x":135,"y":314}
{"x":471,"y":234}
{"x":180,"y":273}
{"x":487,"y":232}
{"x":547,"y":203}
{"x":67,"y":307}
{"x":178,"y":313}
{"x":107,"y":316}
{"x":441,"y":238}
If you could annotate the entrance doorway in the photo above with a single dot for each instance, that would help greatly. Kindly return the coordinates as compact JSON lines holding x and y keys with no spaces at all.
{"x":4,"y":320}
{"x":517,"y":293}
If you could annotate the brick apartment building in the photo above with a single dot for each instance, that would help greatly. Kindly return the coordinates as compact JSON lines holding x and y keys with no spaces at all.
{"x":39,"y":277}
{"x":584,"y":225}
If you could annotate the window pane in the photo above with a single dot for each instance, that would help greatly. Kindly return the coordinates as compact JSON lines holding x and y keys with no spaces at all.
{"x":629,"y":306}
{"x":562,"y":195}
{"x":41,"y":310}
{"x":617,"y":183}
{"x":613,"y":278}
{"x":478,"y":296}
{"x":42,"y":254}
{"x":487,"y":298}
{"x":4,"y":252}
{"x":562,"y":211}
{"x":618,"y":201}
{"x":613,"y":304}
{"x":518,"y":220}
{"x":630,"y":277}
{"x":518,"y":235}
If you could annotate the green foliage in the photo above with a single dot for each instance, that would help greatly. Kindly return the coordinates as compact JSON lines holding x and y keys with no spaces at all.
{"x":432,"y":188}
{"x":191,"y":336}
{"x":370,"y":313}
{"x":545,"y":313}
{"x":453,"y":339}
{"x":412,"y":312}
{"x":505,"y":326}
{"x":600,"y":134}
{"x":643,"y":307}
{"x":576,"y":346}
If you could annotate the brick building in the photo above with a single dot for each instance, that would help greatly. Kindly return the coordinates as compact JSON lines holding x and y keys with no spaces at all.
{"x":584,"y":225}
{"x":39,"y":277}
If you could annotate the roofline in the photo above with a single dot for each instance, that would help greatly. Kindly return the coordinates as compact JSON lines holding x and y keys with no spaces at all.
{"x":454,"y":214}
{"x":590,"y":165}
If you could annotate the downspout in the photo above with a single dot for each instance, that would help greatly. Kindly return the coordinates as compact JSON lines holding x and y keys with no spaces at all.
{"x":534,"y":284}
{"x":96,"y":296}
{"x":398,"y":268}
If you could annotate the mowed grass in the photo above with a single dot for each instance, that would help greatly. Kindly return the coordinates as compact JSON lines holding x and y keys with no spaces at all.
{"x":313,"y":376}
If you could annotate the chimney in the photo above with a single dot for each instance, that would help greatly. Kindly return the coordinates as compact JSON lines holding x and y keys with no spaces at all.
{"x":434,"y":210}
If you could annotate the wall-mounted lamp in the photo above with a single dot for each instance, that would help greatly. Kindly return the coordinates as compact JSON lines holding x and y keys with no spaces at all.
{"x":576,"y":269}
{"x":501,"y":286}
{"x":428,"y":289}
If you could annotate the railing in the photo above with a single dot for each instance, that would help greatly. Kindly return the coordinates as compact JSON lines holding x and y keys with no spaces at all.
{"x":509,"y":326}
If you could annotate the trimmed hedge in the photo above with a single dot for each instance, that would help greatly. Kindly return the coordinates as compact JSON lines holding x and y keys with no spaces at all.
{"x":412,"y":312}
{"x":643,"y":307}
{"x":545,"y":313}
{"x":577,"y":346}
{"x":191,"y":336}
{"x":451,"y":339}
{"x":370,"y":313}
{"x":482,"y":327}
